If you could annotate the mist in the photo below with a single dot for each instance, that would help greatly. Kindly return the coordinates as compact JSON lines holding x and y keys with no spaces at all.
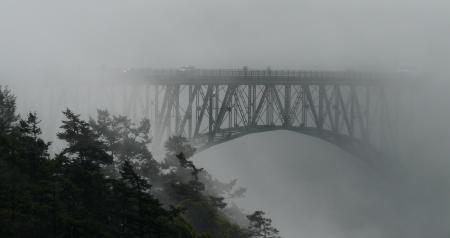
{"x":54,"y":54}
{"x":286,"y":34}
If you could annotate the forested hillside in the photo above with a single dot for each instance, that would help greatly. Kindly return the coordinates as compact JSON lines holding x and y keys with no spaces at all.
{"x":105,"y":182}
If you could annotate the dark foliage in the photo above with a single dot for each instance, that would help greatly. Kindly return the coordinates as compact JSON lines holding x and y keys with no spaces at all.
{"x":106,"y":183}
{"x":261,"y":226}
{"x":7,"y":110}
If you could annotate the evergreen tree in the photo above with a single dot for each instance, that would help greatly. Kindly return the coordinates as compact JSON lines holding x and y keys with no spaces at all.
{"x":185,"y":188}
{"x":70,"y":194}
{"x":8,"y":114}
{"x":127,"y":141}
{"x":98,"y":206}
{"x":261,"y":226}
{"x":84,"y":145}
{"x":82,"y":185}
{"x":141,"y":214}
{"x":24,"y":172}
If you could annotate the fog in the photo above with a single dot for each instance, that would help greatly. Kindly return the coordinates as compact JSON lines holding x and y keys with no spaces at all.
{"x":284,"y":34}
{"x":308,"y":187}
{"x":313,"y":189}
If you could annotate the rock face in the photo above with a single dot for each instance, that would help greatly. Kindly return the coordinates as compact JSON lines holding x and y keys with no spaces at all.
{"x":308,"y":187}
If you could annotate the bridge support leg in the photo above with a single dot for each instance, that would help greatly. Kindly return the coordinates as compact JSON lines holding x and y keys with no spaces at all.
{"x":211,"y":116}
{"x":269,"y":106}
{"x":177,"y":107}
{"x":155,"y":125}
{"x":190,"y":111}
{"x":287,"y":105}
{"x":321,"y":105}
{"x":304,"y":107}
{"x":253,"y":104}
{"x":336,"y":109}
{"x":250,"y":105}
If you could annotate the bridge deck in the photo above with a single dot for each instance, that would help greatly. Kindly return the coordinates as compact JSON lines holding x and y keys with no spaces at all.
{"x":246,"y":77}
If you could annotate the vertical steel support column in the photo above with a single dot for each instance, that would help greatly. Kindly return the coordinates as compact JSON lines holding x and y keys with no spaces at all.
{"x":168,"y":119}
{"x":190,"y":112}
{"x":210,"y":116}
{"x":177,"y":107}
{"x":287,"y":105}
{"x":249,"y":99}
{"x":235,"y":110}
{"x":336,"y":108}
{"x":304,"y":107}
{"x":197,"y":107}
{"x":269,"y":107}
{"x":253,"y":103}
{"x":230,"y":113}
{"x":250,"y":105}
{"x":352,"y":109}
{"x":321,"y":105}
{"x":217,"y":94}
{"x":155,"y":125}
{"x":164,"y":117}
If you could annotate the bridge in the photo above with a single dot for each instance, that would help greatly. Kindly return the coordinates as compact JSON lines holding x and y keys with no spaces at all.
{"x":209,"y":107}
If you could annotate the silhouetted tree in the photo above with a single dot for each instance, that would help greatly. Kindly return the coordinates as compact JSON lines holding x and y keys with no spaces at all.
{"x":127,"y":141}
{"x":84,"y":145}
{"x":261,"y":226}
{"x":141,"y":214}
{"x":73,"y":194}
{"x":82,"y":185}
{"x":24,"y":175}
{"x":8,"y":114}
{"x":185,"y":188}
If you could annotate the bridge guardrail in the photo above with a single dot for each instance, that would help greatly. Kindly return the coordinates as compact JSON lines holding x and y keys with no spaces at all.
{"x":249,"y":74}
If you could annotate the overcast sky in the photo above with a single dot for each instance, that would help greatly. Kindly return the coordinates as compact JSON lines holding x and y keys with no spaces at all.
{"x":207,"y":33}
{"x":282,"y":34}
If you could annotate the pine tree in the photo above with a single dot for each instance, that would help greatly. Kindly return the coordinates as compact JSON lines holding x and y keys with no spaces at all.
{"x":142,"y":215}
{"x":126,"y":141}
{"x":84,"y":144}
{"x":8,"y":114}
{"x":69,"y":195}
{"x":83,"y":185}
{"x":261,"y":226}
{"x":24,"y":172}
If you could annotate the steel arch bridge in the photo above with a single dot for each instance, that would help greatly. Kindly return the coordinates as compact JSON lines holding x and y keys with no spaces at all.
{"x":209,"y":107}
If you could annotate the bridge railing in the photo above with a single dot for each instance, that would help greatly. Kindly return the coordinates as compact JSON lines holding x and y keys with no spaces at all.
{"x":249,"y":73}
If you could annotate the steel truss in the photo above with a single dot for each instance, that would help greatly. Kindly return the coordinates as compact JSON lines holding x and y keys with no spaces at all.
{"x":209,"y":107}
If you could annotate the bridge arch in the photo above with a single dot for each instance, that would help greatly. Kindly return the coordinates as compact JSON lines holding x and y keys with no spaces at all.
{"x":347,"y":109}
{"x":348,"y":144}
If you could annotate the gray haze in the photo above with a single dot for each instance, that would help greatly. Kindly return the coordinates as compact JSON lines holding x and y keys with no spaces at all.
{"x":309,"y":188}
{"x":208,"y":33}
